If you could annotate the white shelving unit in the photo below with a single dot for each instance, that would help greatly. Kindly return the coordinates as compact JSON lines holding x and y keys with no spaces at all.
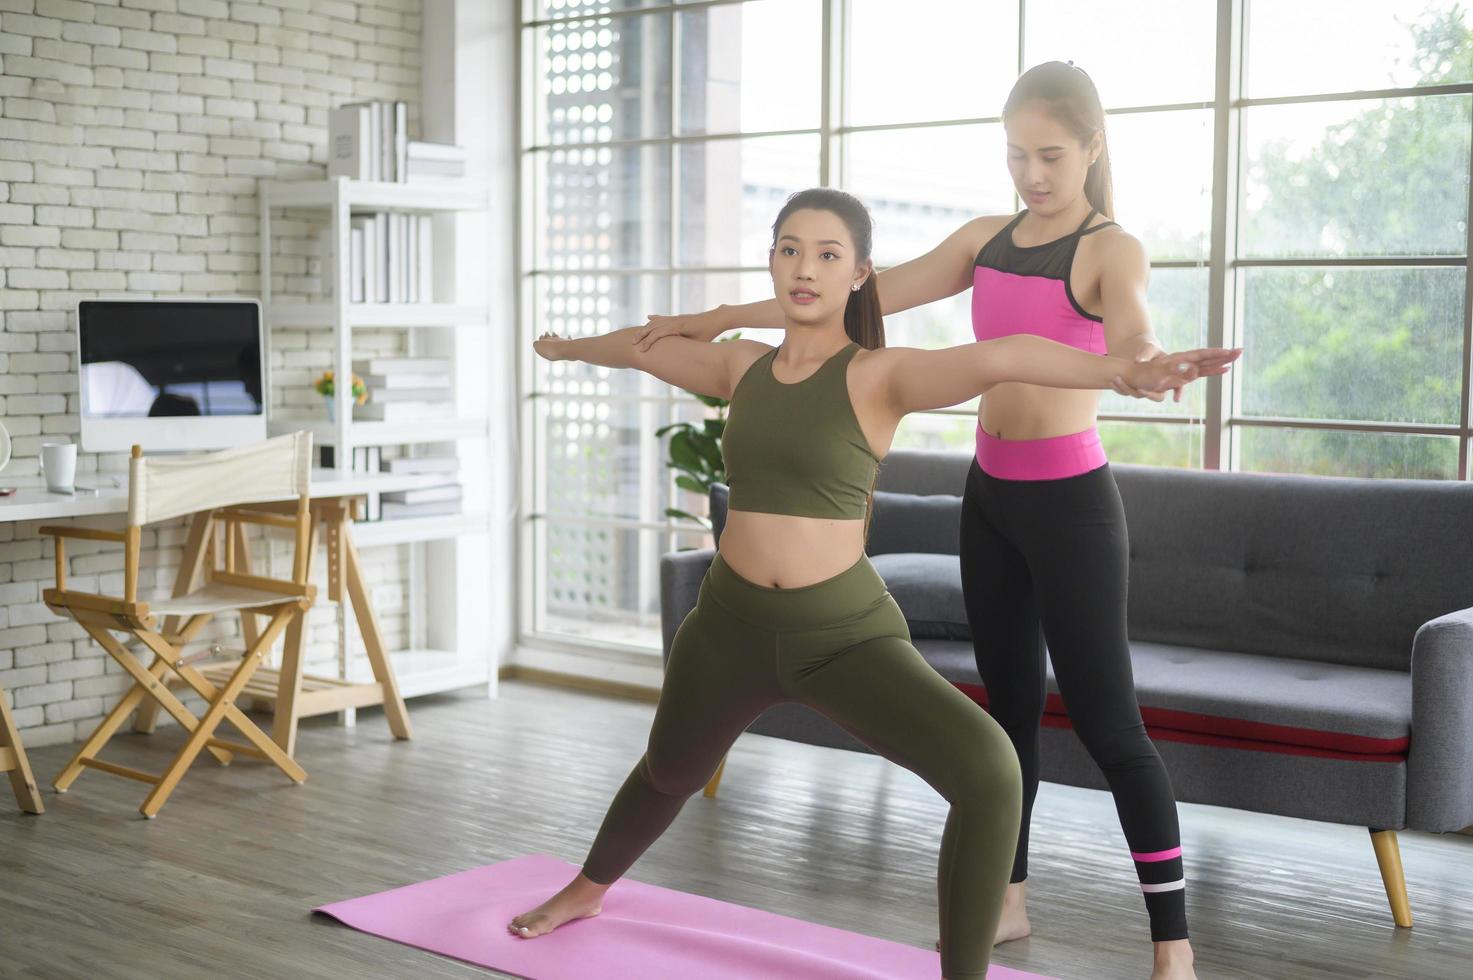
{"x":449,"y":645}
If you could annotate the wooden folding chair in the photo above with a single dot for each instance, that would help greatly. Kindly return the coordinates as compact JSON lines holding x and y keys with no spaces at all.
{"x":13,"y":761}
{"x":220,"y":487}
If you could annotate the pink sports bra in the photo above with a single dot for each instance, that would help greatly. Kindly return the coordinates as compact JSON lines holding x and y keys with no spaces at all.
{"x":1026,"y":290}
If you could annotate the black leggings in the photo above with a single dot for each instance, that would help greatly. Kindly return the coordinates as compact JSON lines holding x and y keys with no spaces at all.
{"x":1048,"y":559}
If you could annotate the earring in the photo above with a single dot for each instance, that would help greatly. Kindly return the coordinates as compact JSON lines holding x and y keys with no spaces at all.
{"x":855,"y":287}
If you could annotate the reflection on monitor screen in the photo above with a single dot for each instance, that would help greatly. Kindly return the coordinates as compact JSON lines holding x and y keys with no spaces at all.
{"x":151,"y":360}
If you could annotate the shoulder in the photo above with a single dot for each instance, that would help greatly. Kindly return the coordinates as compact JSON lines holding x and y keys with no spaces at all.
{"x":882,"y":361}
{"x":742,"y":354}
{"x":1117,"y":251}
{"x":981,"y":230}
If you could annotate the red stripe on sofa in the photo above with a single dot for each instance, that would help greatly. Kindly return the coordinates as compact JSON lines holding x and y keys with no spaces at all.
{"x":1197,"y":729}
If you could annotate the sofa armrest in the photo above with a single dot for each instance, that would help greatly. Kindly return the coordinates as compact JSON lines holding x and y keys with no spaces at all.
{"x":681,"y":574}
{"x":1440,"y":763}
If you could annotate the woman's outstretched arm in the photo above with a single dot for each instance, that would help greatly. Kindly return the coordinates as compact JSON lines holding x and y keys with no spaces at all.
{"x":925,"y":379}
{"x":944,"y":271}
{"x":706,"y":369}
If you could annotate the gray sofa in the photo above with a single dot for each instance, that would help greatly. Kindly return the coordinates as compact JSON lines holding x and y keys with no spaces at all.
{"x":1302,"y":645}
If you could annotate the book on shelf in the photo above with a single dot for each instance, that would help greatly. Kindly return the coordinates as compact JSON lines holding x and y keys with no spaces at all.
{"x":390,"y":258}
{"x":401,"y":141}
{"x":403,"y":411}
{"x":421,"y":464}
{"x":388,"y":365}
{"x":365,"y":459}
{"x":423,"y":495}
{"x":350,"y":142}
{"x":434,"y":161}
{"x":388,"y":509}
{"x":390,"y":393}
{"x":357,"y":284}
{"x":405,"y":379}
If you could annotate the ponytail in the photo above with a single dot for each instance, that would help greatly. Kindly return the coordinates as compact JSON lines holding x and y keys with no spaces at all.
{"x":863,"y":321}
{"x":1098,"y":187}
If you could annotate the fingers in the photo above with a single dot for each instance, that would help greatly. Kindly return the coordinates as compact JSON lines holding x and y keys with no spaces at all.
{"x":1121,"y":387}
{"x":656,"y":333}
{"x":1225,"y":355}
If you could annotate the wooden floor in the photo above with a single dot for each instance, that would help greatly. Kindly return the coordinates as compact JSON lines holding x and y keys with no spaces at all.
{"x":221,"y":883}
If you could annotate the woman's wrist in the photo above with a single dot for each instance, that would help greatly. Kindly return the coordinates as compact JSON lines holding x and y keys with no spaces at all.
{"x":719,"y":321}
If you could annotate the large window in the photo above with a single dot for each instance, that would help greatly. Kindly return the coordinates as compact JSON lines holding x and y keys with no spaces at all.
{"x":1309,"y":201}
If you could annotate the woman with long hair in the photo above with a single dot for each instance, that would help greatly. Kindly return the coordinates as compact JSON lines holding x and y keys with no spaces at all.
{"x":791,"y":609}
{"x":1044,"y":553}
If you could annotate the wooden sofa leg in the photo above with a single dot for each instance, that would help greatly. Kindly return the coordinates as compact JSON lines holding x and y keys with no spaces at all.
{"x":1388,"y":856}
{"x":710,"y":792}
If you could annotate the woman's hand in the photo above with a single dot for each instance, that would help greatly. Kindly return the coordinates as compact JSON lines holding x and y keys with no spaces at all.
{"x":705,"y":326}
{"x":551,"y":347}
{"x":1171,"y":372}
{"x":1149,"y":353}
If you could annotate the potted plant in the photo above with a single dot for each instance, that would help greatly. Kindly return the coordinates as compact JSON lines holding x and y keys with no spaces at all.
{"x":325,"y":387}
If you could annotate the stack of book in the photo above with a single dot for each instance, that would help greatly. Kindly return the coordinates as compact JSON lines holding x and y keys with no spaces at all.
{"x":435,"y":161}
{"x":405,"y":389}
{"x":389,"y":259}
{"x":422,"y":501}
{"x":368,"y":141}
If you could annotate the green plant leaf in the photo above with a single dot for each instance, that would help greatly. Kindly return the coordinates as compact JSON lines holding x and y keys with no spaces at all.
{"x":710,"y":450}
{"x":693,"y":485}
{"x":683,"y":453}
{"x":675,"y":512}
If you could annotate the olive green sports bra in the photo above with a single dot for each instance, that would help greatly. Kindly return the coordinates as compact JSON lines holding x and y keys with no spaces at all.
{"x":797,"y":448}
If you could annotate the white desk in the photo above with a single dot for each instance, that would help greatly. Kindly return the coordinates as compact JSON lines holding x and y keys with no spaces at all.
{"x":36,"y":503}
{"x":292,"y":694}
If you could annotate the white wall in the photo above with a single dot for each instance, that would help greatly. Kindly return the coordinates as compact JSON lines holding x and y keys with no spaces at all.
{"x":132,"y":136}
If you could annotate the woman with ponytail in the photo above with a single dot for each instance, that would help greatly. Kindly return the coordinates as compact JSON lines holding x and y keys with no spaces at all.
{"x":791,"y":609}
{"x":1043,"y":540}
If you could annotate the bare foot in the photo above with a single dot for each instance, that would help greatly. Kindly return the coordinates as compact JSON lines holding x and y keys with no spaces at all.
{"x":1174,"y":961}
{"x":581,"y":899}
{"x":1014,"y":923}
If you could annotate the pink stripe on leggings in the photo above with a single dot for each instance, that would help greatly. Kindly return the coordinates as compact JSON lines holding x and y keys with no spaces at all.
{"x":1056,"y":458}
{"x":1152,"y":856}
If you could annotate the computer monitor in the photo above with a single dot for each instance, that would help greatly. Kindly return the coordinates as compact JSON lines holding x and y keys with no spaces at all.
{"x":170,"y":374}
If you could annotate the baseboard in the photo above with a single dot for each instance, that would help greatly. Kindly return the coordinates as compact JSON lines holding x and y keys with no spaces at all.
{"x":616,"y":673}
{"x":593,"y":685}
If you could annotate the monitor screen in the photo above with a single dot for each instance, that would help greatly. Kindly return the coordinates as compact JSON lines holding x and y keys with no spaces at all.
{"x":154,"y":359}
{"x":170,"y":374}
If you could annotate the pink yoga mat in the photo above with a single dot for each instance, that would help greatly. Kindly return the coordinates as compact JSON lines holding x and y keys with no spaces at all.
{"x":644,"y":933}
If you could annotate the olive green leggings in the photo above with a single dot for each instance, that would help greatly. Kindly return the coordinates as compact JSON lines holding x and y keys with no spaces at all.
{"x":841,"y":647}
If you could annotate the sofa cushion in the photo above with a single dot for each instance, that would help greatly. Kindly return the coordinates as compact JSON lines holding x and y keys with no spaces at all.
{"x":908,"y":522}
{"x":928,"y":589}
{"x":1331,"y":569}
{"x":1243,"y":700}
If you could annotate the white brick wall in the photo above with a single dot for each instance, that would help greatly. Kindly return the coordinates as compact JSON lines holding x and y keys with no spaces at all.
{"x":132,"y":136}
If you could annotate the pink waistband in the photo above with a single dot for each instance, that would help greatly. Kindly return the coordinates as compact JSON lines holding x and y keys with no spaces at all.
{"x":1057,"y":458}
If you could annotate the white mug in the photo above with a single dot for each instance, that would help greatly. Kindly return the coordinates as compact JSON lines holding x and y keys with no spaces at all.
{"x":59,"y":463}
